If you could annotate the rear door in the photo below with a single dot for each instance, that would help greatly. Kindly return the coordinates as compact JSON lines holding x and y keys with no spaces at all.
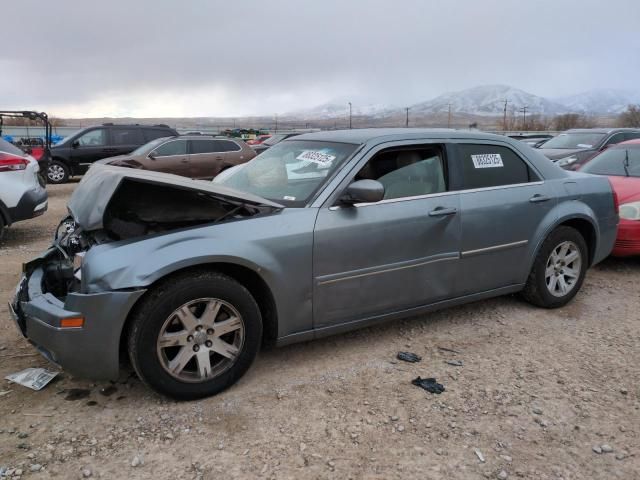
{"x":205,"y":158}
{"x":170,"y":157}
{"x":503,"y":201}
{"x":125,"y":140}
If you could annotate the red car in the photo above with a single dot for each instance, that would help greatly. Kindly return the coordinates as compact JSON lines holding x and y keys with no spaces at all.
{"x":258,"y":140}
{"x":621,"y":163}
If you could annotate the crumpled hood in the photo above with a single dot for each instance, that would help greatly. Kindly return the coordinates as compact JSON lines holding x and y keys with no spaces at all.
{"x":93,"y":194}
{"x":557,"y":153}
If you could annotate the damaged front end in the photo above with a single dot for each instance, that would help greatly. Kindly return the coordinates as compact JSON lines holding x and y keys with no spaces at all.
{"x":80,"y":329}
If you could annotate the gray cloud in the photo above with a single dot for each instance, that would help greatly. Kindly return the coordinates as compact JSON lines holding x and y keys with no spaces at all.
{"x":199,"y":57}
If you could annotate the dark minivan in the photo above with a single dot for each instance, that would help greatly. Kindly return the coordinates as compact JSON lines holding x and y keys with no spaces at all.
{"x":75,"y":154}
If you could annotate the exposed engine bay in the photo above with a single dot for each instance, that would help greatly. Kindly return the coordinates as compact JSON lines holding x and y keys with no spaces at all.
{"x":138,"y":208}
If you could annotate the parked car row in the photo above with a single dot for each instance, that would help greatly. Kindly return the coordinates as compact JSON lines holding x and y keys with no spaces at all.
{"x":322,"y":233}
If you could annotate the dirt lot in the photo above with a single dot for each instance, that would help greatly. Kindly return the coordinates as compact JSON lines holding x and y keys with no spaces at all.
{"x":537,"y":394}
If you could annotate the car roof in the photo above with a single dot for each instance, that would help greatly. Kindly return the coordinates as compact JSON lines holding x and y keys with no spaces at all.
{"x":378,"y":135}
{"x":635,"y":141}
{"x":600,"y":130}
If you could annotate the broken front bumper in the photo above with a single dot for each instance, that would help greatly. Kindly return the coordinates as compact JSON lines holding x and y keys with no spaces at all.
{"x":90,"y":351}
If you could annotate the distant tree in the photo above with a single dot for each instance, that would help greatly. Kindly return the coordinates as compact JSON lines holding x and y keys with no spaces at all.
{"x":630,"y":117}
{"x":572,"y":120}
{"x":538,"y":123}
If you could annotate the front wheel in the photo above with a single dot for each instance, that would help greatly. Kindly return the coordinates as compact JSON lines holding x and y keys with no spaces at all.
{"x":58,"y":172}
{"x":558,"y":270}
{"x":195,"y":335}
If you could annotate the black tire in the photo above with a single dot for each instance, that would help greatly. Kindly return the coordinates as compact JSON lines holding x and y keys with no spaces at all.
{"x":2,"y":227}
{"x":537,"y":291}
{"x":158,"y":306}
{"x":58,"y":172}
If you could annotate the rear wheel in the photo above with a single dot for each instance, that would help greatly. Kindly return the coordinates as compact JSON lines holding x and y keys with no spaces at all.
{"x":57,"y":172}
{"x":2,"y":225}
{"x":195,"y":336}
{"x":559,"y":269}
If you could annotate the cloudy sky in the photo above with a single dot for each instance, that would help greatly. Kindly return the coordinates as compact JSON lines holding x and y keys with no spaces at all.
{"x":78,"y":58}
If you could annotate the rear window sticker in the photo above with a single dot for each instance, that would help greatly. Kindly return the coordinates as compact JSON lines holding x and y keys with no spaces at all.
{"x":487,"y":160}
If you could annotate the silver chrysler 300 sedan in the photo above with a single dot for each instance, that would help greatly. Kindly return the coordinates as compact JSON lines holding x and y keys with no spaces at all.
{"x":322,"y":233}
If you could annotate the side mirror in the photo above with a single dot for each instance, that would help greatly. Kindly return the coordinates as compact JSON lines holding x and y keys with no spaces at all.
{"x":363,"y":191}
{"x":75,"y":144}
{"x":152,"y":155}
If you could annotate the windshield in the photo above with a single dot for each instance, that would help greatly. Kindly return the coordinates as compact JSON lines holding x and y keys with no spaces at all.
{"x":147,"y":147}
{"x":574,"y":140}
{"x":612,"y":162}
{"x":291,"y":172}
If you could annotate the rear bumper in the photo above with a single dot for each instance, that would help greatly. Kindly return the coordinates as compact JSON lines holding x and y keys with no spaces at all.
{"x":91,"y":351}
{"x":628,"y":239}
{"x":32,"y":204}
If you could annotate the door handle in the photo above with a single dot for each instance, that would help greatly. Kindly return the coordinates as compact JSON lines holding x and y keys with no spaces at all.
{"x":537,"y":198}
{"x":184,"y":160}
{"x":441,"y":212}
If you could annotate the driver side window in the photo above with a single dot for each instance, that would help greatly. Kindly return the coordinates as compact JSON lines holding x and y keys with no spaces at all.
{"x":407,"y":172}
{"x":94,"y":138}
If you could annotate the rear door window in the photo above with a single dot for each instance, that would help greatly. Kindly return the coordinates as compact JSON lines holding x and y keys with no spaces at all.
{"x":227,"y":146}
{"x":203,"y":146}
{"x":492,"y":166}
{"x":174,"y":147}
{"x":127,"y":136}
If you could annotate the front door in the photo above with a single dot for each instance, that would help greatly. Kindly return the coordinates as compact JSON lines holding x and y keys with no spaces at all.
{"x":91,"y":146}
{"x":503,"y":202}
{"x":403,"y":252}
{"x":170,"y":157}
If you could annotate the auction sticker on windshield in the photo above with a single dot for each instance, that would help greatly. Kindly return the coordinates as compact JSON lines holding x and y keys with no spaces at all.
{"x":314,"y":156}
{"x":487,"y":160}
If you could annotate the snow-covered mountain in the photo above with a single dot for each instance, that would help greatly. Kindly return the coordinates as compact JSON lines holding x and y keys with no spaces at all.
{"x":489,"y":100}
{"x":341,"y":109}
{"x":485,"y":100}
{"x":600,"y":101}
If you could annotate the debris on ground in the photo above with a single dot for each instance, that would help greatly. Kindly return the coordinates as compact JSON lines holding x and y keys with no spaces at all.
{"x":455,"y":363}
{"x":479,"y":455}
{"x":409,"y":357}
{"x":445,"y":349}
{"x":33,"y":378}
{"x":429,"y":384}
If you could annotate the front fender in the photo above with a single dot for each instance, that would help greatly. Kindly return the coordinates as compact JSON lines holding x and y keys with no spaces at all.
{"x":277,"y":247}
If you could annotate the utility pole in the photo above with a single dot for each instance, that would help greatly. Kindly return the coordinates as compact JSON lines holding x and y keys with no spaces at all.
{"x":524,"y":117}
{"x":406,"y":123}
{"x":504,"y":118}
{"x":449,"y":118}
{"x":276,"y":122}
{"x":349,"y":115}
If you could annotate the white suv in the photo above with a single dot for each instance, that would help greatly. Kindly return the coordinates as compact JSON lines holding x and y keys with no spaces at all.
{"x":21,"y":196}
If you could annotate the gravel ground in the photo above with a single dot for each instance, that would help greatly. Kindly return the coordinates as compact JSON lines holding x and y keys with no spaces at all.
{"x":539,"y":394}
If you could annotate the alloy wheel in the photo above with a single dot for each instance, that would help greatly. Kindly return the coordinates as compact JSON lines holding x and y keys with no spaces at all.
{"x":55,"y":173}
{"x":200,"y":340}
{"x":563,"y":269}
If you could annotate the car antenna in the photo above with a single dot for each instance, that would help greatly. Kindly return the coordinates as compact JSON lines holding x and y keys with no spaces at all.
{"x":626,"y":162}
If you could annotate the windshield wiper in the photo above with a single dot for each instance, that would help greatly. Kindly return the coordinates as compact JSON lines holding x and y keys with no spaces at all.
{"x":626,"y":162}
